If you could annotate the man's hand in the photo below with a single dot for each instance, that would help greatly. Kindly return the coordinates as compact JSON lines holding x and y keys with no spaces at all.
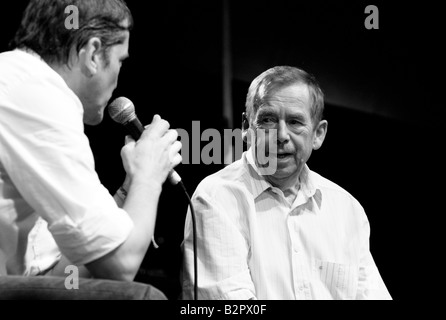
{"x":154,"y":155}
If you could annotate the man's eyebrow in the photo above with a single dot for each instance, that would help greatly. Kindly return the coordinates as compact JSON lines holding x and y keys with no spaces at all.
{"x":266,"y":111}
{"x":300,"y":117}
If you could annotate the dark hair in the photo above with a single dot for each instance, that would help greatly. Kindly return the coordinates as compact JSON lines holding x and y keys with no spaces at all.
{"x":43,"y":27}
{"x":279,"y":77}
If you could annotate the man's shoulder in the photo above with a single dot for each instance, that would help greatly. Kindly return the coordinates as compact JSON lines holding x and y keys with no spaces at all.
{"x":20,"y":69}
{"x":229,"y":178}
{"x":26,"y":81}
{"x":6,"y":56}
{"x":19,"y":60}
{"x":329,"y":187}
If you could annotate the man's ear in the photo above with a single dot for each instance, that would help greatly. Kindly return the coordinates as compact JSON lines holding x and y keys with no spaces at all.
{"x":90,"y":57}
{"x":320,"y":133}
{"x":245,"y":126}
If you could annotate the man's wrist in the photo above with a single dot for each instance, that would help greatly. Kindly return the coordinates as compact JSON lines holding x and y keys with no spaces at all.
{"x":147,"y":186}
{"x":122,"y":191}
{"x":120,"y":196}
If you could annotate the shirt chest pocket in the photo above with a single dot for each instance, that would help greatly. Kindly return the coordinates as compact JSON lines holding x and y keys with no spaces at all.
{"x":339,"y":281}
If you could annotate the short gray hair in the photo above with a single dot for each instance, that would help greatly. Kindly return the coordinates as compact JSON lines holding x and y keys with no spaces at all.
{"x":279,"y":77}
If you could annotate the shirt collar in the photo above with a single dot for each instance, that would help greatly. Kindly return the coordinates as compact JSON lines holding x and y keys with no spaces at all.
{"x":258,"y":184}
{"x":255,"y":180}
{"x":307,"y":183}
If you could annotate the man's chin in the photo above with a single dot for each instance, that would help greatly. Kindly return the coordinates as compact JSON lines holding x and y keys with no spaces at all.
{"x":283,"y":172}
{"x":94,"y":121}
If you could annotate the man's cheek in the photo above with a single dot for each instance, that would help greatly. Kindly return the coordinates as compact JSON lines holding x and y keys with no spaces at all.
{"x":266,"y":150}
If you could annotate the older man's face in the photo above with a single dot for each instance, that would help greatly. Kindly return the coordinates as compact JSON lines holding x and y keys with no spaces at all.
{"x":288,"y":110}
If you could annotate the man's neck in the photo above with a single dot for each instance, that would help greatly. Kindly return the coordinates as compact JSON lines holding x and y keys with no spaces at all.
{"x":291,"y":193}
{"x":290,"y":187}
{"x":68,"y":74}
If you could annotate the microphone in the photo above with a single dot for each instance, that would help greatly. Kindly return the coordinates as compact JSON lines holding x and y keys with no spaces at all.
{"x":122,"y":111}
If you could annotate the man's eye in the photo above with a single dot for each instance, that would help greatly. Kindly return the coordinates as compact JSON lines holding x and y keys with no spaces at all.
{"x":267,"y":120}
{"x":295,"y":122}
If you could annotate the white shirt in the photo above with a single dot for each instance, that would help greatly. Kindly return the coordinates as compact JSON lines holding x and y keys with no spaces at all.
{"x":47,"y":170}
{"x":253,"y":244}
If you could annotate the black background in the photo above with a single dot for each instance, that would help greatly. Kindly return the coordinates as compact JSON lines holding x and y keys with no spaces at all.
{"x":385,"y":102}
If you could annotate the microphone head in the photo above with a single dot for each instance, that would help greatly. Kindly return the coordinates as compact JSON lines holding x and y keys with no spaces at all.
{"x":122,"y":110}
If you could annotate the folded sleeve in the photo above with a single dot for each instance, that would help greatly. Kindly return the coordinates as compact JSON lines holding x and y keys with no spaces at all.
{"x":50,"y":162}
{"x":370,"y":283}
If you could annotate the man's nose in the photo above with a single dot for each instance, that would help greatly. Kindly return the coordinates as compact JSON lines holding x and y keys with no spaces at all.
{"x":282,"y":132}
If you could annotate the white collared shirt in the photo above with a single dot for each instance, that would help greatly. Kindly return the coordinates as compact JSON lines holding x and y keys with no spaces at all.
{"x":253,"y":244}
{"x":47,"y":170}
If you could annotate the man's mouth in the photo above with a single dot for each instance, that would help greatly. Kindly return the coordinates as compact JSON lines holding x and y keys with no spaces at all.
{"x":284,"y":155}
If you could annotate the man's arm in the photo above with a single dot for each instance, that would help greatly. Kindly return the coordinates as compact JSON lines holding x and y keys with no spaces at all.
{"x":141,"y":204}
{"x":58,"y":269}
{"x":370,"y":283}
{"x":223,"y":249}
{"x":148,"y":163}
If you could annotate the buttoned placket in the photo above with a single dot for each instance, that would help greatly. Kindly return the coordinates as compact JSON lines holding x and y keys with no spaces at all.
{"x":301,"y":287}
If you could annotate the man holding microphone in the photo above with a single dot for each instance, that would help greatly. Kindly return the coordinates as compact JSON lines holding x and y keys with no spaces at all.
{"x":55,"y":81}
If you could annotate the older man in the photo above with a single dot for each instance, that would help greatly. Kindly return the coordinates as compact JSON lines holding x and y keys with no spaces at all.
{"x":287,"y":233}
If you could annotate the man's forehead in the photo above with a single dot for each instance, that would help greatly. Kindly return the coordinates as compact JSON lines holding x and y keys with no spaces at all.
{"x":283,"y":98}
{"x":297,"y":91}
{"x":266,"y":110}
{"x":294,"y":95}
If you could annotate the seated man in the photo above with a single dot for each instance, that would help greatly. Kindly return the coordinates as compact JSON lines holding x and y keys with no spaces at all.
{"x":286,"y":233}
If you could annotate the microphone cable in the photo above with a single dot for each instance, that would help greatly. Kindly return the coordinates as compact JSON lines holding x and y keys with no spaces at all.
{"x":194,"y":233}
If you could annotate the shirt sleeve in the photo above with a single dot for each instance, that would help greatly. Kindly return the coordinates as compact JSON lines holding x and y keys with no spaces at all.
{"x":49,"y":161}
{"x":370,"y":283}
{"x":223,"y":250}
